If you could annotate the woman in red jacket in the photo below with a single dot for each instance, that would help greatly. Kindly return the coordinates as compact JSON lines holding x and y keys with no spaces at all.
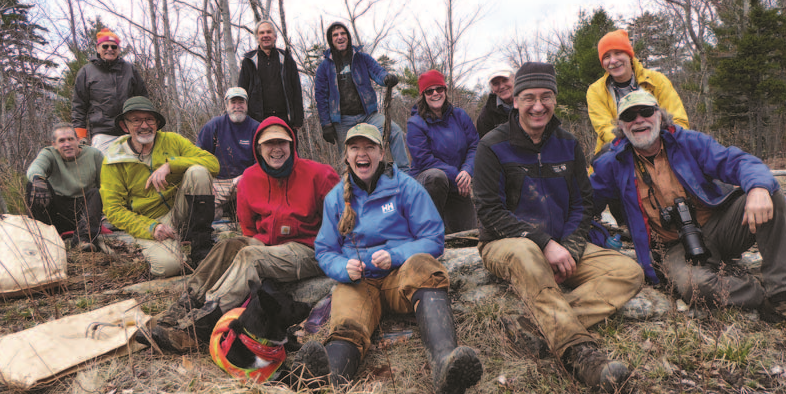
{"x":279,"y":205}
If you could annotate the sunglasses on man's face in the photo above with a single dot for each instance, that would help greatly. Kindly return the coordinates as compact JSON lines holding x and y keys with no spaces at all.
{"x":631,"y":114}
{"x":438,"y":89}
{"x":107,"y":46}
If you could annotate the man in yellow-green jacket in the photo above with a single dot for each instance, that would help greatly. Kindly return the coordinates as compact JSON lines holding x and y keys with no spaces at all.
{"x":157,"y":186}
{"x":624,"y":74}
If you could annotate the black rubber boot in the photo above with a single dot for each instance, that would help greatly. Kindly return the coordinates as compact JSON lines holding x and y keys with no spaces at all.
{"x":198,"y":229}
{"x":454,"y":368}
{"x":202,"y":320}
{"x":311,"y":366}
{"x":344,"y":359}
{"x":593,"y":368}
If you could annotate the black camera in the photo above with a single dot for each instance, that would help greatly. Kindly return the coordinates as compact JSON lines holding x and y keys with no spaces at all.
{"x":681,"y":216}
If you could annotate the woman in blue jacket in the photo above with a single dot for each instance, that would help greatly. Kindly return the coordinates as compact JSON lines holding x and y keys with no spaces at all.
{"x":380,"y":237}
{"x":442,"y":141}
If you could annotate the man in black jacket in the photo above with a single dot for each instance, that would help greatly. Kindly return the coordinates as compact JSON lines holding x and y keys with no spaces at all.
{"x":499,"y":103}
{"x":101,"y":88}
{"x":270,"y":77}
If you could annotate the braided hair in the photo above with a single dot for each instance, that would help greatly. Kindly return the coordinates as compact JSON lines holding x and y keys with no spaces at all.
{"x":348,"y":218}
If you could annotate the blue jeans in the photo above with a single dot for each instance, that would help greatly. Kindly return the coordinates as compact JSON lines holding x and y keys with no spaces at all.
{"x":398,"y":147}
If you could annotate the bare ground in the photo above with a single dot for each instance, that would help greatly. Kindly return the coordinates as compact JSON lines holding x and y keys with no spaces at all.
{"x":721,"y":351}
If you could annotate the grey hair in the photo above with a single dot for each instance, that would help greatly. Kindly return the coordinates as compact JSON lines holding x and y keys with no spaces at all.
{"x":63,"y":125}
{"x":666,"y":121}
{"x":266,"y":21}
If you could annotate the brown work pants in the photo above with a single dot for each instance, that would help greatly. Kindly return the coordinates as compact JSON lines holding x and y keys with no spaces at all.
{"x":358,"y":307}
{"x":603,"y":282}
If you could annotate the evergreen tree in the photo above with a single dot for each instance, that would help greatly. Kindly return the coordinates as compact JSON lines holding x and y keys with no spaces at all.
{"x":749,"y":83}
{"x":20,"y":67}
{"x":577,"y":63}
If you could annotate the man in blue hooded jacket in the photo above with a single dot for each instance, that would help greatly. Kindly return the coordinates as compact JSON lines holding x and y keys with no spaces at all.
{"x":655,"y":168}
{"x":345,"y":96}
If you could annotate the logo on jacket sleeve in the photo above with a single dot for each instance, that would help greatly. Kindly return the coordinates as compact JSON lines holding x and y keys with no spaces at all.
{"x":388,"y":208}
{"x":286,"y":230}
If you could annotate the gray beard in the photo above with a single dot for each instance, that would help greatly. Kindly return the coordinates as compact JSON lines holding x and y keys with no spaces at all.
{"x":237,"y":118}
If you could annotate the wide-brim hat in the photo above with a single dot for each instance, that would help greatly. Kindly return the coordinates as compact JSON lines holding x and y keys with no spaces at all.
{"x":140,"y":103}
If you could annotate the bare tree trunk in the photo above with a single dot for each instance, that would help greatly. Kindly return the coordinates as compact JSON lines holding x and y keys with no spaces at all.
{"x":209,"y":59}
{"x":156,"y":45}
{"x":72,"y":23}
{"x":266,"y":11}
{"x":229,"y":45}
{"x":451,"y":44}
{"x":221,"y":80}
{"x":283,"y":16}
{"x":170,"y":68}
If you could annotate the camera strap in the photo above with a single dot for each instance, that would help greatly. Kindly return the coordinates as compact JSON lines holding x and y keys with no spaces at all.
{"x":647,"y":179}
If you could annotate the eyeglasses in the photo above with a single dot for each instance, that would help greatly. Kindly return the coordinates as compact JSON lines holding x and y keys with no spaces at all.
{"x":138,"y":122}
{"x":107,"y":46}
{"x":630,"y":114}
{"x":438,"y":89}
{"x":531,"y":99}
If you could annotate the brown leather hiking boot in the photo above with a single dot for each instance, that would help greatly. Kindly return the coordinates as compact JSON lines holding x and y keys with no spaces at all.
{"x":593,"y":368}
{"x":178,"y":310}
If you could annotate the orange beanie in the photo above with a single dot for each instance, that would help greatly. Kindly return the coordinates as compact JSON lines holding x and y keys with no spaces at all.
{"x":106,"y":35}
{"x":615,"y":40}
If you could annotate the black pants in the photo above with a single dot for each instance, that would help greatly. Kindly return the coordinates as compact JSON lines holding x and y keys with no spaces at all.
{"x":79,"y":214}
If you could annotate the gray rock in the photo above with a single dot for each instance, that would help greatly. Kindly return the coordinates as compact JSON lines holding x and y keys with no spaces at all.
{"x":480,"y":294}
{"x":310,"y":290}
{"x":174,"y":284}
{"x":649,"y":304}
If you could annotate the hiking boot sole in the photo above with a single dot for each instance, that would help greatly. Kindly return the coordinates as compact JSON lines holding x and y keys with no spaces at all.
{"x":462,"y":370}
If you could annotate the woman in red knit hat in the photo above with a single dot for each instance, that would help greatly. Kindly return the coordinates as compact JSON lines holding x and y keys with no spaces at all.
{"x":442,"y":140}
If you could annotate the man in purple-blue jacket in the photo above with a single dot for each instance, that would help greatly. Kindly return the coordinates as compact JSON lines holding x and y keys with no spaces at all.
{"x":228,"y":137}
{"x":699,"y":202}
{"x":345,"y":96}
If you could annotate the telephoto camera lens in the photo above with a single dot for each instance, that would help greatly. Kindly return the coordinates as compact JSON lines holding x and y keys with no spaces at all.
{"x":690,"y":233}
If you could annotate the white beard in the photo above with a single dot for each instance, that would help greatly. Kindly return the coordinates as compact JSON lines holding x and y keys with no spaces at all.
{"x":237,"y":117}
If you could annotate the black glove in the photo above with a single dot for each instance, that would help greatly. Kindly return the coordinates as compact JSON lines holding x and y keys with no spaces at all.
{"x":329,"y":133}
{"x":391,"y":80}
{"x":40,"y":193}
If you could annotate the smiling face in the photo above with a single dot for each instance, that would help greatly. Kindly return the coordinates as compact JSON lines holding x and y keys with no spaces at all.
{"x":66,"y":143}
{"x":141,"y":125}
{"x":617,"y":64}
{"x":274,"y":152}
{"x":643,"y":132}
{"x":108,"y":50}
{"x":536,"y":108}
{"x":266,"y":37}
{"x":503,"y":88}
{"x":363,"y":157}
{"x":436,"y":99}
{"x":340,"y":38}
{"x":237,"y":108}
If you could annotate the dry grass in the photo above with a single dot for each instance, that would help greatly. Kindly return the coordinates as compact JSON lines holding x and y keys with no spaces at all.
{"x":725,"y":351}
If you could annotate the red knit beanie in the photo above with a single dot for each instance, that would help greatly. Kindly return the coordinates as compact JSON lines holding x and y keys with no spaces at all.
{"x":615,"y":40}
{"x":106,"y":35}
{"x":430,"y":78}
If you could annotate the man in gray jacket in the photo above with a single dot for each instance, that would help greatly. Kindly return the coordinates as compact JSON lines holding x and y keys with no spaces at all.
{"x":101,"y":88}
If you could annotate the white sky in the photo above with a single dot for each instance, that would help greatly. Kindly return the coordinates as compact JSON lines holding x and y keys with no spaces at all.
{"x":503,"y":19}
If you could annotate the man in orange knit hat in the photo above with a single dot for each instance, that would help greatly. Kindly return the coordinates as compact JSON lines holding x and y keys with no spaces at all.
{"x":624,"y":74}
{"x":101,"y":88}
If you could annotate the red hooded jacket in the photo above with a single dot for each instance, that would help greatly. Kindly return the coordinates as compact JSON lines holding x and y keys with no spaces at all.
{"x":288,"y":209}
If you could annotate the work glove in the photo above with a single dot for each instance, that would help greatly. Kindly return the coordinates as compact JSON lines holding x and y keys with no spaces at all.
{"x":329,"y":133}
{"x":391,"y":80}
{"x":40,"y":193}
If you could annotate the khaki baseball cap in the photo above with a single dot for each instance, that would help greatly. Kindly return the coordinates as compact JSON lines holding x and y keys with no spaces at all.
{"x":274,"y":132}
{"x":364,"y":130}
{"x":636,"y":98}
{"x":501,"y":73}
{"x":236,"y":92}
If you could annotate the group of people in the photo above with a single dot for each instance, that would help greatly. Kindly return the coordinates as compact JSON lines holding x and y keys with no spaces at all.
{"x":690,"y":203}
